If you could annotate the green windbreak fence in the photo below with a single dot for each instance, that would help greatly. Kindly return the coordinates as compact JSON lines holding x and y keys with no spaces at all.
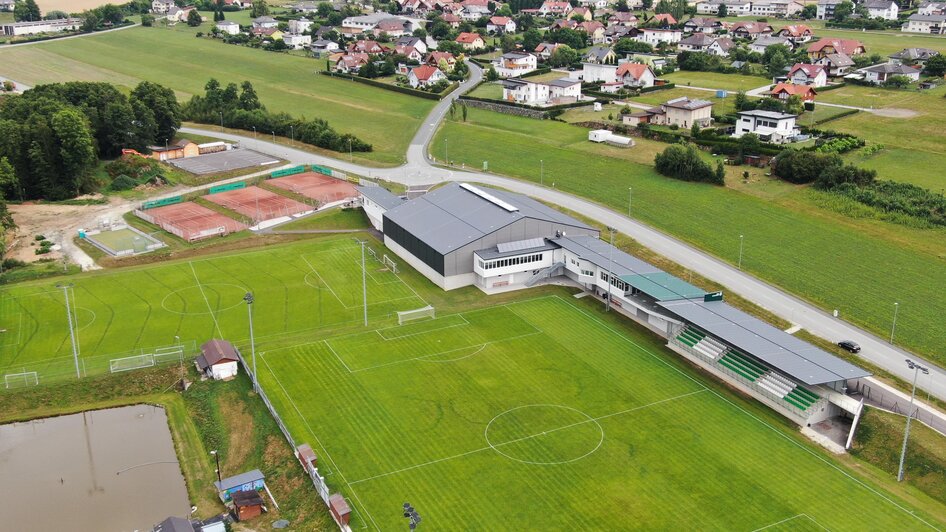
{"x":229,"y":186}
{"x":161,"y":202}
{"x":321,"y":169}
{"x":288,"y":171}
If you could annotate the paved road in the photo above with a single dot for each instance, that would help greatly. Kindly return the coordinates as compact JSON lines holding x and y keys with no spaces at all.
{"x":19,"y":87}
{"x":79,"y":36}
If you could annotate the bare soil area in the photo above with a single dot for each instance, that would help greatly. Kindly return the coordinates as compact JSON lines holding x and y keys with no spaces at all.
{"x":69,"y":6}
{"x":894,"y":112}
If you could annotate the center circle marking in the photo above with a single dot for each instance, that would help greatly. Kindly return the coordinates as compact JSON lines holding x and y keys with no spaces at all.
{"x":497,"y":446}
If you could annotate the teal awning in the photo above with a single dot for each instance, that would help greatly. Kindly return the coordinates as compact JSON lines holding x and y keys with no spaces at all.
{"x":663,"y":287}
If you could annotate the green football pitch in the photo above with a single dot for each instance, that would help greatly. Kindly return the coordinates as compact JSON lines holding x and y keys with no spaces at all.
{"x":535,"y":412}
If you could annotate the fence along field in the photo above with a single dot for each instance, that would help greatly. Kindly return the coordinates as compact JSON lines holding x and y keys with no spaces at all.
{"x":299,"y":288}
{"x":537,"y":412}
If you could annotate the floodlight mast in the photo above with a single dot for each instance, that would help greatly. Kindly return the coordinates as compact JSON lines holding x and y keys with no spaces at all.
{"x":906,"y":433}
{"x":72,"y":333}
{"x":249,"y":309}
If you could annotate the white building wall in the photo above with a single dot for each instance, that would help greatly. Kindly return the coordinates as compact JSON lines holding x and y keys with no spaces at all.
{"x":223,"y":370}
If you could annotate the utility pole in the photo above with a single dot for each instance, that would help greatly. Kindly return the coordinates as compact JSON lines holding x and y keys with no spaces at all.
{"x":364,"y":282}
{"x":740,"y":251}
{"x":906,"y":434}
{"x":893,"y":326}
{"x":446,"y":152}
{"x":610,"y":268}
{"x":292,"y":136}
{"x":249,"y":309}
{"x":542,"y":172}
{"x":217,"y":456}
{"x":351,"y":156}
{"x":72,"y":333}
{"x":630,"y":191}
{"x":221,"y":118}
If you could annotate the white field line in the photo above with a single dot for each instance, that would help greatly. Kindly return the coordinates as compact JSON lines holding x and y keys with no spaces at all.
{"x":316,"y":272}
{"x":517,"y":440}
{"x":445,"y":327}
{"x":319,"y":442}
{"x":792,"y":518}
{"x":756,"y":418}
{"x":207,"y":301}
{"x":372,"y":277}
{"x":330,"y":348}
{"x":342,"y":303}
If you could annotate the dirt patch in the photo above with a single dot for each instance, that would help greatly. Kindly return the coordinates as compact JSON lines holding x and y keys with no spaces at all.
{"x":55,"y":222}
{"x":241,"y":427}
{"x":894,"y":112}
{"x":69,"y":6}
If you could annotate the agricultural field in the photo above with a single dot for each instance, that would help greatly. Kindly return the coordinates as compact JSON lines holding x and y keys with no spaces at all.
{"x":790,"y":240}
{"x":386,"y":119}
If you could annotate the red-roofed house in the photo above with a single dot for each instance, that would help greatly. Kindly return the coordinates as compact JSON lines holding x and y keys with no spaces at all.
{"x":826,"y":46}
{"x":366,"y":47}
{"x":470,"y":41}
{"x":425,"y":75}
{"x":594,"y":29}
{"x":635,"y":75}
{"x":555,"y":8}
{"x":784,"y":91}
{"x":501,"y":25}
{"x":581,"y":11}
{"x":545,"y":50}
{"x":665,"y":19}
{"x":796,"y":32}
{"x":750,"y":30}
{"x":351,"y":63}
{"x":807,"y":74}
{"x":442,"y":60}
{"x":410,"y":52}
{"x":452,"y":19}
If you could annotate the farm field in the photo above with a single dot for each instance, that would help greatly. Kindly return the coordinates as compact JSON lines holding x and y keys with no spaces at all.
{"x":505,"y":415}
{"x":284,"y":82}
{"x":69,"y":6}
{"x":823,"y":256}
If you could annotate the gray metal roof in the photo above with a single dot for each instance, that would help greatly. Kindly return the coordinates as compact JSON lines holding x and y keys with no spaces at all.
{"x":603,"y":255}
{"x":452,"y":216}
{"x":767,"y":114}
{"x":496,"y":252}
{"x":381,"y":196}
{"x":780,"y":350}
{"x":173,"y":524}
{"x":239,"y":480}
{"x":663,"y":286}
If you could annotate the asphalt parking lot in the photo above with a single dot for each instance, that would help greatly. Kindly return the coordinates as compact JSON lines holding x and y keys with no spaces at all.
{"x":224,"y":161}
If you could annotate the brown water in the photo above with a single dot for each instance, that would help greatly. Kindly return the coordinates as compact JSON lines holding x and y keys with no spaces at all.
{"x":99,"y":471}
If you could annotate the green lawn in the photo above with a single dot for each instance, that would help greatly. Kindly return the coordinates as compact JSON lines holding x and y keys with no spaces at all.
{"x":823,"y":256}
{"x":721,"y":106}
{"x":504,"y":414}
{"x":488,"y":90}
{"x":715,"y":80}
{"x":175,"y":58}
{"x":330,"y":220}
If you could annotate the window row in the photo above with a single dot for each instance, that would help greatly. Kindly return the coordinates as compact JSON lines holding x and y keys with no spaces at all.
{"x":512,"y":261}
{"x":615,"y":282}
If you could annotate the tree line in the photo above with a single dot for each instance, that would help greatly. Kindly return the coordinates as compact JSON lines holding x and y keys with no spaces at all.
{"x":239,"y":107}
{"x":53,"y":136}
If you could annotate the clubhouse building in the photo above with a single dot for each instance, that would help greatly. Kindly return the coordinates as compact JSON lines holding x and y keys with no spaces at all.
{"x":463,"y":234}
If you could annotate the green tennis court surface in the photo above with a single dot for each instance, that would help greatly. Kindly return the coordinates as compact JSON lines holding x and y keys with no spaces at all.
{"x":123,"y":241}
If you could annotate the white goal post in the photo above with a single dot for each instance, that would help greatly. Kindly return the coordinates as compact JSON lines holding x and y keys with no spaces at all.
{"x":416,"y":314}
{"x":129,"y":363}
{"x":18,"y":380}
{"x":389,"y":263}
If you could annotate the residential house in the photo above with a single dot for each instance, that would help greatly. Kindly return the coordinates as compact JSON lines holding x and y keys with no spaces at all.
{"x":302,"y":25}
{"x":242,"y":4}
{"x":324,"y":46}
{"x":879,"y":74}
{"x":545,"y":50}
{"x":594,"y":29}
{"x":411,"y":53}
{"x":228,"y":27}
{"x":837,"y":64}
{"x":541,"y":93}
{"x":613,"y":34}
{"x":759,"y":45}
{"x":619,"y":18}
{"x":265,"y":22}
{"x":701,"y":42}
{"x":682,"y":112}
{"x":600,"y":54}
{"x":808,"y":74}
{"x":931,"y":8}
{"x":297,"y":41}
{"x":750,"y":30}
{"x":376,"y":23}
{"x":392,"y":27}
{"x":442,"y":60}
{"x":7,"y":6}
{"x":550,"y":8}
{"x":654,"y":37}
{"x":776,"y":8}
{"x":770,"y":126}
{"x":515,"y":64}
{"x":828,"y":45}
{"x":179,"y":14}
{"x":351,"y":63}
{"x":912,"y":56}
{"x":474,"y":11}
{"x":665,"y":19}
{"x":180,"y":149}
{"x":218,"y":360}
{"x":883,"y":9}
{"x":267,"y":33}
{"x":564,"y":24}
{"x":594,"y":73}
{"x":796,"y":33}
{"x":703,"y":25}
{"x":734,"y":8}
{"x":637,"y":75}
{"x":304,"y":7}
{"x":784,"y":91}
{"x":826,"y":9}
{"x":424,"y":76}
{"x":413,"y":42}
{"x":158,"y":7}
{"x":366,"y":47}
{"x":583,"y":12}
{"x":470,"y":41}
{"x":597,"y":5}
{"x":501,"y":25}
{"x":452,"y":20}
{"x":932,"y":24}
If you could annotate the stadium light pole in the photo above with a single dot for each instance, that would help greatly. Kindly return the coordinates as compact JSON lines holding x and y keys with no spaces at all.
{"x":72,"y":333}
{"x":610,"y":268}
{"x":630,"y":191}
{"x":906,"y":434}
{"x":541,"y":172}
{"x":217,"y":457}
{"x":292,"y":136}
{"x":249,"y":310}
{"x":446,"y":152}
{"x":254,"y":132}
{"x":741,"y":239}
{"x":893,"y":326}
{"x":221,"y":118}
{"x":364,"y":282}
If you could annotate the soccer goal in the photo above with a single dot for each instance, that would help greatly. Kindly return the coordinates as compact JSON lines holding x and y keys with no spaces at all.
{"x":20,"y":380}
{"x":389,"y":263}
{"x":416,"y":314}
{"x":116,"y":365}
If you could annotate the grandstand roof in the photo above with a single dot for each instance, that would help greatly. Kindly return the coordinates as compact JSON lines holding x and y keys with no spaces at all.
{"x":663,"y":287}
{"x":780,"y":350}
{"x":603,"y":255}
{"x":458,"y":213}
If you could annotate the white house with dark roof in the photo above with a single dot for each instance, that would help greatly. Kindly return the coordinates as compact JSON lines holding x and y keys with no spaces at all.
{"x":541,"y":93}
{"x":770,"y":126}
{"x":931,"y":8}
{"x":759,"y":45}
{"x":913,"y":56}
{"x":265,"y":22}
{"x":218,"y":360}
{"x":734,"y":8}
{"x":826,"y":9}
{"x":228,"y":27}
{"x":808,"y":74}
{"x":879,"y":74}
{"x":513,"y":64}
{"x":932,"y":24}
{"x":883,"y":9}
{"x":158,"y":7}
{"x":837,"y":64}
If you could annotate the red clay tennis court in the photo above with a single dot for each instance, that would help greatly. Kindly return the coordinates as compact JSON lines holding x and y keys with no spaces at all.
{"x":317,"y":186}
{"x":258,"y":204}
{"x":190,"y":221}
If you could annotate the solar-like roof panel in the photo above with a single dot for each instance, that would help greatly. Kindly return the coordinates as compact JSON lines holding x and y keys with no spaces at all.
{"x":520,"y":244}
